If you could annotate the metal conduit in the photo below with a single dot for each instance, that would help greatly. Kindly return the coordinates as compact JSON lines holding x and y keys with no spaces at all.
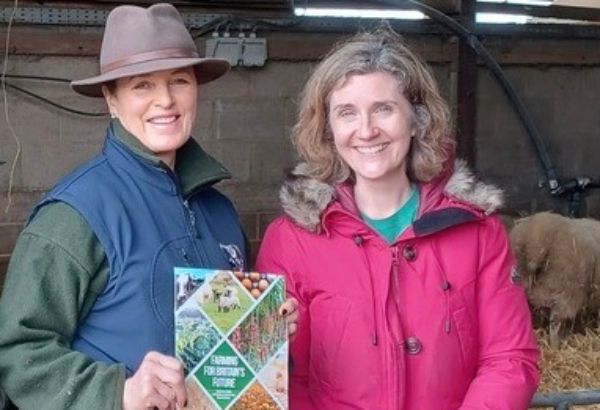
{"x":564,"y":400}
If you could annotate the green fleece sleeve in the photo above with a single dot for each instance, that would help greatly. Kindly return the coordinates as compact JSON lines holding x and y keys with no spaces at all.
{"x":56,"y":272}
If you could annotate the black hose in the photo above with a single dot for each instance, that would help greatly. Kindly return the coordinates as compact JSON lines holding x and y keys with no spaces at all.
{"x":54,"y":104}
{"x":476,"y":45}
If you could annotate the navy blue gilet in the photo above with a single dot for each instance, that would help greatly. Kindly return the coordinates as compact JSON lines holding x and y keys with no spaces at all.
{"x":146,"y":228}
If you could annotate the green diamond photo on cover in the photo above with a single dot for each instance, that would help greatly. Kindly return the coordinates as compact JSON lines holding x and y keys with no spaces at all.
{"x":231,"y":339}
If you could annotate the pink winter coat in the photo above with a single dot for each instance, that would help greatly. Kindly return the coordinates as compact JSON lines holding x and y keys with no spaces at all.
{"x":436,"y":321}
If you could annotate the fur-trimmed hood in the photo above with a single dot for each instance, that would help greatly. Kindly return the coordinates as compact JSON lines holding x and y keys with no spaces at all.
{"x":304,"y":199}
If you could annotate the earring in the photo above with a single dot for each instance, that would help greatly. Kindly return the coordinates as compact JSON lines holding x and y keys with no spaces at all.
{"x":113,"y":115}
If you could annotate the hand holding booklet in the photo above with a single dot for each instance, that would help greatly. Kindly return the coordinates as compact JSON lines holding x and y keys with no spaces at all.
{"x":231,"y":340}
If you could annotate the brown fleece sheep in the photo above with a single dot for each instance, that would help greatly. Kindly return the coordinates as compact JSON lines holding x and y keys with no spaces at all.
{"x":559,"y":262}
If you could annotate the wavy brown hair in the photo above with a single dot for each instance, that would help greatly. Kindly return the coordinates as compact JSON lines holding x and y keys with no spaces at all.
{"x":380,"y":50}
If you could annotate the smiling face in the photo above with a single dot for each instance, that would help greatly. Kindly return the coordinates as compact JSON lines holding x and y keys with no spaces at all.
{"x":159,"y":109}
{"x":372,"y":126}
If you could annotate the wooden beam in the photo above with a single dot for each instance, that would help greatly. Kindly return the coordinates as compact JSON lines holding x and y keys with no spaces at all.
{"x":65,"y":41}
{"x":52,"y":41}
{"x":466,"y":90}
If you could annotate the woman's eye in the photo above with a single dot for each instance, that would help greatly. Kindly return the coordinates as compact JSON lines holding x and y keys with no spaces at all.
{"x":181,"y":81}
{"x":383,"y":109}
{"x":144,"y":85}
{"x":347,"y":114}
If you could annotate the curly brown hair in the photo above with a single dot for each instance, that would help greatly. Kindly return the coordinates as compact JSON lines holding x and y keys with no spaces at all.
{"x":380,"y":50}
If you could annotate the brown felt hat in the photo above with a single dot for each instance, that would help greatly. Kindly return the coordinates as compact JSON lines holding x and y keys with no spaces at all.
{"x":140,"y":41}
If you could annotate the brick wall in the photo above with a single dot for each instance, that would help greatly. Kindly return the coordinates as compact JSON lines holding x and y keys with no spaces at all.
{"x":244,"y":120}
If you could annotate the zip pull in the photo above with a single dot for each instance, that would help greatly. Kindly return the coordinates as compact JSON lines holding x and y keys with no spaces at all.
{"x":185,"y":256}
{"x":186,"y":205}
{"x":395,"y":262}
{"x":446,"y":288}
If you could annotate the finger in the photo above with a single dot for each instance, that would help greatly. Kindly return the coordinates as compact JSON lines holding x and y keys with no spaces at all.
{"x":292,"y":329}
{"x":158,"y":402}
{"x":170,"y":371}
{"x":180,"y":393}
{"x":288,"y":306}
{"x":165,"y":361}
{"x":165,"y":376}
{"x":175,"y":383}
{"x":292,"y":317}
{"x":164,"y":397}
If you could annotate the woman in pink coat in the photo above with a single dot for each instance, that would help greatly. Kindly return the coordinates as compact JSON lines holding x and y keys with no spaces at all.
{"x":409,"y":297}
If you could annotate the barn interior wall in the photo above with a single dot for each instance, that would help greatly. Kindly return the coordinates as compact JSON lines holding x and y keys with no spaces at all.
{"x":244,"y":120}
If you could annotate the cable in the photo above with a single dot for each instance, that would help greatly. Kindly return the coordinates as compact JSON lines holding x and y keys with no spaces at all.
{"x":213,"y":25}
{"x":52,"y":103}
{"x":216,"y":24}
{"x":37,"y":77}
{"x":46,"y":100}
{"x":506,"y":85}
{"x":8,"y":123}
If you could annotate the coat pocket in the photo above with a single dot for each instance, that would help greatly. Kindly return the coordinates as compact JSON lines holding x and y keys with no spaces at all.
{"x":464,"y":324}
{"x":330,"y":319}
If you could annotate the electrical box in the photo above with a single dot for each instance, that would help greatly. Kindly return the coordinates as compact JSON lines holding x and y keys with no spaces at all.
{"x":244,"y":51}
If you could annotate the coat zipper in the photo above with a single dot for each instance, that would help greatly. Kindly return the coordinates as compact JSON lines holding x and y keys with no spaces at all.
{"x":395,"y":274}
{"x":397,"y":354}
{"x":191,"y":219}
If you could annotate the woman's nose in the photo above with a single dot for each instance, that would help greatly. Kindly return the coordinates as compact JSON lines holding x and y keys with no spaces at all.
{"x":368,"y":128}
{"x":164,"y":96}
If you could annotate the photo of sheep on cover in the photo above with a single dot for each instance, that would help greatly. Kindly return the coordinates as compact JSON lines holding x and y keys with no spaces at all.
{"x":224,"y":300}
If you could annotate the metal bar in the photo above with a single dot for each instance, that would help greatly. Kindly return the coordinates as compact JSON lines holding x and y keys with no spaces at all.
{"x":563,"y":400}
{"x":81,"y":16}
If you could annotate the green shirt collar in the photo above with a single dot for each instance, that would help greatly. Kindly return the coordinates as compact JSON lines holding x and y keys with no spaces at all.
{"x":392,"y":226}
{"x":193,"y":166}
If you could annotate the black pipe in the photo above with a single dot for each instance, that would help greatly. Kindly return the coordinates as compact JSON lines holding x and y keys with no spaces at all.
{"x":476,"y":45}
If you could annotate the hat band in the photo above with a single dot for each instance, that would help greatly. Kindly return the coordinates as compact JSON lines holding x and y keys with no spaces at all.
{"x":149,"y":56}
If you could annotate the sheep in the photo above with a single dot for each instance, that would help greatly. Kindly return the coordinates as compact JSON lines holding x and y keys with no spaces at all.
{"x":204,"y":294}
{"x":558,"y":259}
{"x":216,"y":294}
{"x":228,"y":301}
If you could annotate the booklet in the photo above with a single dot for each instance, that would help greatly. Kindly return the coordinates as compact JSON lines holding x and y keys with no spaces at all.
{"x":231,"y":340}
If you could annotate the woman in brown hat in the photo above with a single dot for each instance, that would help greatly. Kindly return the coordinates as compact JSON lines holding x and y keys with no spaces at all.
{"x":86,"y":319}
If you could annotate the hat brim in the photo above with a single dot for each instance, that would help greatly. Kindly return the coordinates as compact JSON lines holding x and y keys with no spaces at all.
{"x":207,"y":70}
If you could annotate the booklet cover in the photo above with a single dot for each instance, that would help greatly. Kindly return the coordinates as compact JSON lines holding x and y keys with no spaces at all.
{"x":231,"y":339}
